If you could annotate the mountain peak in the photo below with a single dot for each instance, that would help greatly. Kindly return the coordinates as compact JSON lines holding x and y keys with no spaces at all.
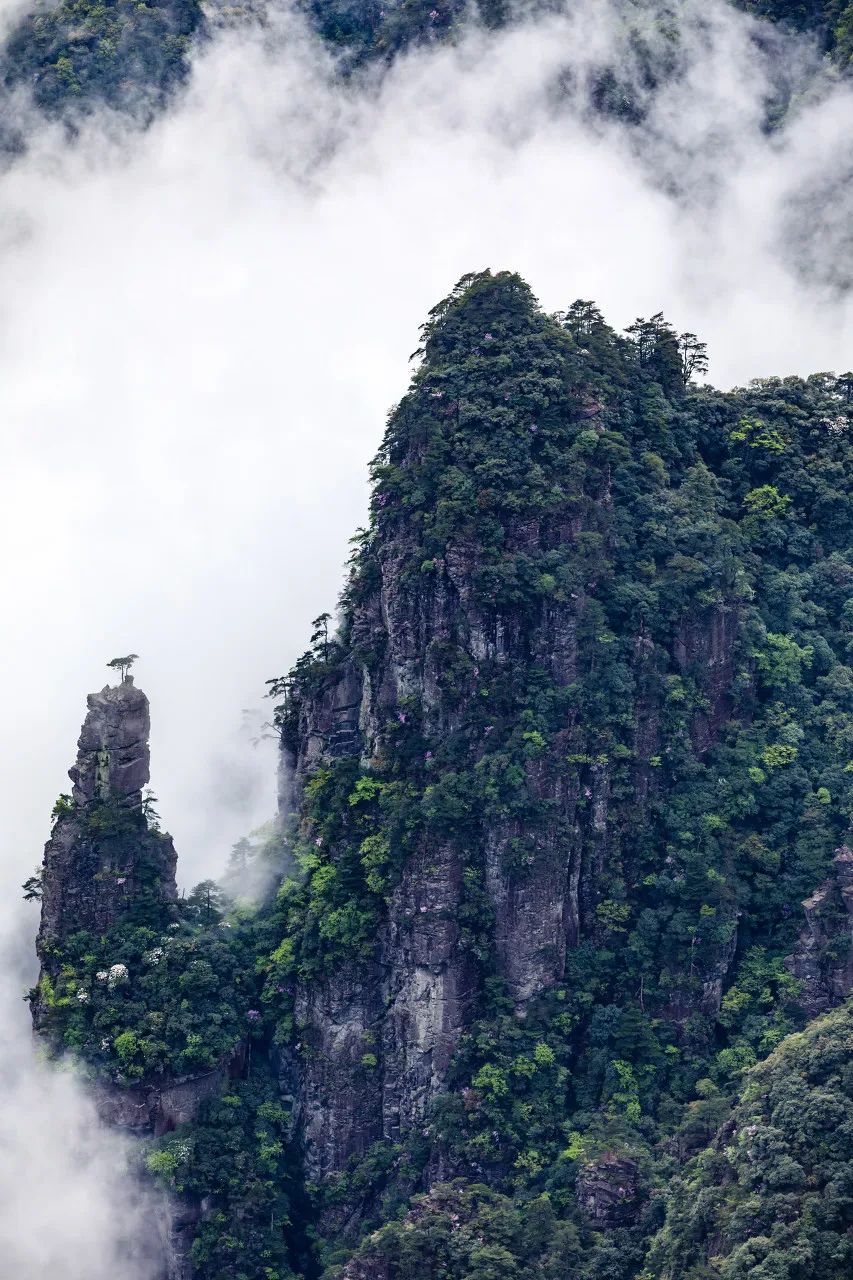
{"x":103,"y":862}
{"x":113,"y":759}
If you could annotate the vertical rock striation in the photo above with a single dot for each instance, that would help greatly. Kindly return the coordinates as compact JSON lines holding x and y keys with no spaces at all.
{"x":488,"y":590}
{"x":102,"y":859}
{"x":823,"y":959}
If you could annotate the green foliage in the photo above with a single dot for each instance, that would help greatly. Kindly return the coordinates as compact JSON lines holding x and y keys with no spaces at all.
{"x":238,"y":1156}
{"x":621,"y":611}
{"x":756,"y":434}
{"x":781,"y":661}
{"x":136,"y":1004}
{"x":465,"y":1231}
{"x":126,"y":54}
{"x":63,"y":808}
{"x":33,"y":886}
{"x":121,"y":665}
{"x":355,"y":833}
{"x":771,"y":1196}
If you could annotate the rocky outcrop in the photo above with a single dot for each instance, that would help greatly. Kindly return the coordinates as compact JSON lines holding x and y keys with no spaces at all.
{"x":331,"y":725}
{"x":418,"y":642}
{"x":160,"y":1107}
{"x":103,"y":862}
{"x":103,"y":857}
{"x":607,"y":1190}
{"x":823,"y":959}
{"x":113,"y":757}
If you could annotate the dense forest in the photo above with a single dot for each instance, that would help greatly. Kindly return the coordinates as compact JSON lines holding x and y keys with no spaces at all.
{"x":551,"y":975}
{"x":75,"y":55}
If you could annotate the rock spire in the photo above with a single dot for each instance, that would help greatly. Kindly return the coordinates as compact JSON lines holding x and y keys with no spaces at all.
{"x":103,"y":860}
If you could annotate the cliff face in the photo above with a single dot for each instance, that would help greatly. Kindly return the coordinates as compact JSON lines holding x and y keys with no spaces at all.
{"x":556,"y":671}
{"x":416,"y":997}
{"x":823,"y":960}
{"x":102,"y":859}
{"x":415,"y":623}
{"x":552,"y":793}
{"x":118,"y":955}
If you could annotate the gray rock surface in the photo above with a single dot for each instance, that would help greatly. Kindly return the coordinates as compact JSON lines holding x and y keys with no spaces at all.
{"x":102,"y":855}
{"x":606,"y":1190}
{"x":406,"y":1011}
{"x":178,"y":1219}
{"x":159,"y":1108}
{"x":112,"y":752}
{"x":823,"y":959}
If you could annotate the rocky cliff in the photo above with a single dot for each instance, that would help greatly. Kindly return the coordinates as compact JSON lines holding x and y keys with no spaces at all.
{"x":119,"y":954}
{"x":553,"y":792}
{"x":575,"y":756}
{"x":553,"y":721}
{"x":823,"y":960}
{"x":102,"y":859}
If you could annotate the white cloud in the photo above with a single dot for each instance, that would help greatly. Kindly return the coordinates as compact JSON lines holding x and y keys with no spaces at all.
{"x":68,"y":1205}
{"x":202,"y":327}
{"x":10,"y":12}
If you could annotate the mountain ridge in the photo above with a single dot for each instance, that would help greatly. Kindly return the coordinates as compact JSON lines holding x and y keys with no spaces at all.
{"x":562,"y":776}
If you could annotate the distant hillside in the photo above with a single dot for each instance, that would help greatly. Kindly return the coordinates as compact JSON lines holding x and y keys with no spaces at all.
{"x":77,"y":54}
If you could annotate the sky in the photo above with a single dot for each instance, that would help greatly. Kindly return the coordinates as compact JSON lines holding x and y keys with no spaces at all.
{"x":203,"y":326}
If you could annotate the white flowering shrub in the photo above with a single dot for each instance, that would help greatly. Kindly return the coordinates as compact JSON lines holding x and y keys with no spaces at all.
{"x":117,"y":975}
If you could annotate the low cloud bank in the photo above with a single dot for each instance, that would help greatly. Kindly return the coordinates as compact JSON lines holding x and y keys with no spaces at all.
{"x":69,"y":1204}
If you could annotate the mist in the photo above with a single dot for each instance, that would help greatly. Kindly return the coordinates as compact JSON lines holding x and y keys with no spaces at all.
{"x":202,"y":328}
{"x":70,"y":1202}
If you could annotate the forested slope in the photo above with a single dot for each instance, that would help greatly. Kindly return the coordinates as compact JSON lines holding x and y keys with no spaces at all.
{"x":771,"y":1196}
{"x":76,"y":55}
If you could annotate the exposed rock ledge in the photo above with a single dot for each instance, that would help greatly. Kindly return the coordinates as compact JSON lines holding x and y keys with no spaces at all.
{"x":159,"y":1108}
{"x":823,"y":959}
{"x":94,"y":872}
